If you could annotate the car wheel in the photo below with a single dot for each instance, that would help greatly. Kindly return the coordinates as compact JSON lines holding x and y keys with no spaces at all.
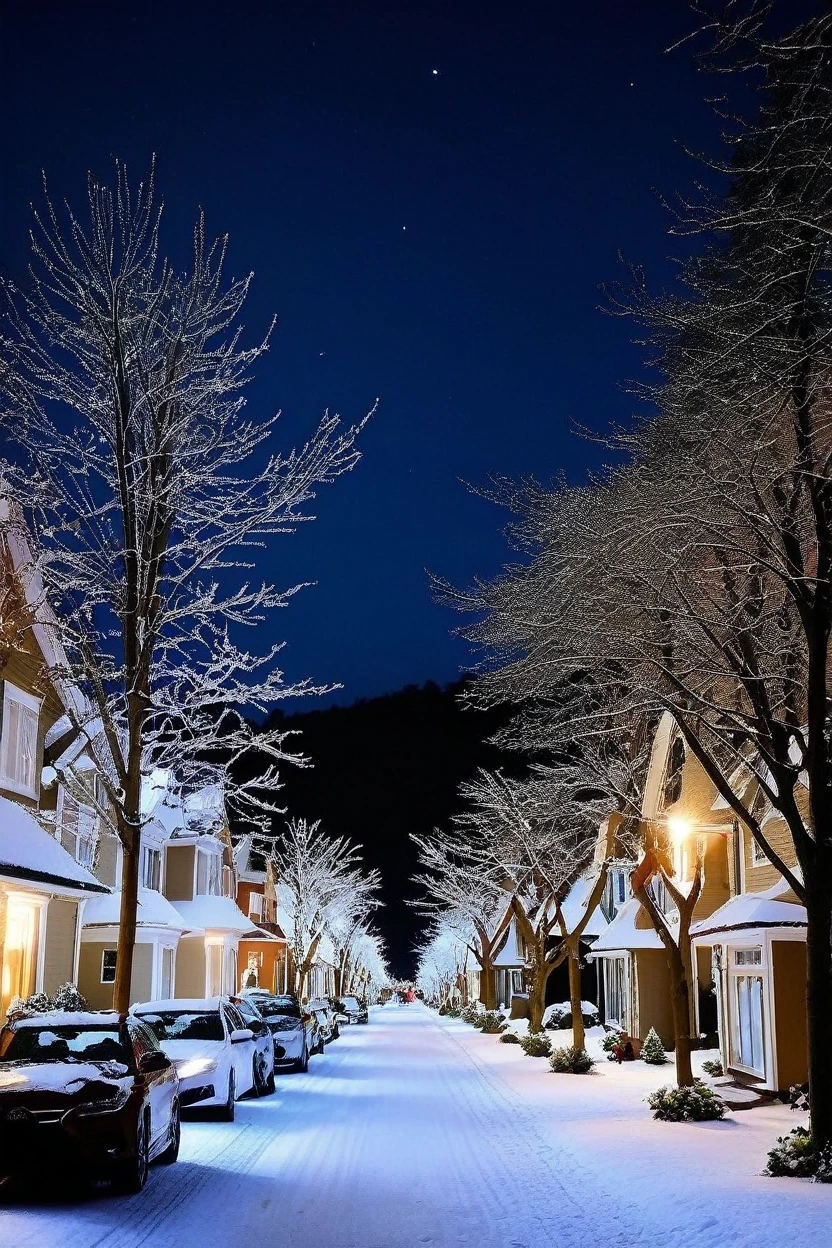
{"x":337,"y":1032}
{"x":227,"y":1110}
{"x":132,"y":1174}
{"x":169,"y":1156}
{"x":270,"y":1083}
{"x":302,"y":1066}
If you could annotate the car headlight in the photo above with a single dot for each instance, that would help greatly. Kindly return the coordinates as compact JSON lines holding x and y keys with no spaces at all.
{"x":109,"y":1106}
{"x":194,"y":1066}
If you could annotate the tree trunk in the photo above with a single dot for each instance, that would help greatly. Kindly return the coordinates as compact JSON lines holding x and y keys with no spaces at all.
{"x":578,"y":1034}
{"x":488,"y":983}
{"x":127,"y":924}
{"x":681,"y":1018}
{"x":537,"y":1001}
{"x":819,"y":1008}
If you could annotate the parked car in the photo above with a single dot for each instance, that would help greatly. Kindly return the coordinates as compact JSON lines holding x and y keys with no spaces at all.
{"x":324,"y":1011}
{"x":86,"y":1090}
{"x":294,"y":1031}
{"x":351,"y":1010}
{"x":251,"y":1018}
{"x":215,"y":1058}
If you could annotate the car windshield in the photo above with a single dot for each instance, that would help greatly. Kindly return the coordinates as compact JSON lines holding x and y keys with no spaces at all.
{"x":66,"y":1044}
{"x":351,"y":1003}
{"x":273,"y":1006}
{"x":184,"y":1025}
{"x":284,"y":1022}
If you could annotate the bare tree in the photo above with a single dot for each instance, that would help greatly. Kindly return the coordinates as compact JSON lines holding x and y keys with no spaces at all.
{"x":319,"y":884}
{"x":152,"y":494}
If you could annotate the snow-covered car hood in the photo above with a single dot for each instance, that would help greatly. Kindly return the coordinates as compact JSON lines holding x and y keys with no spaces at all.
{"x":184,"y":1051}
{"x":48,"y":1084}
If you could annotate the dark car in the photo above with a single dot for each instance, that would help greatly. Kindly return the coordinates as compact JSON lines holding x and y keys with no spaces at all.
{"x":89,"y":1091}
{"x":351,"y":1010}
{"x":294,"y":1030}
{"x":325,"y":1012}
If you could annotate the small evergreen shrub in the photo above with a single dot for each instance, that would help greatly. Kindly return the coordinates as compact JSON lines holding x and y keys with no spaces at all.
{"x":536,"y":1044}
{"x":713,"y":1068}
{"x":471,"y":1013}
{"x":653,"y":1051}
{"x":571,"y":1061}
{"x":453,"y":1011}
{"x":443,"y":1010}
{"x":795,"y":1156}
{"x":610,"y":1040}
{"x":491,"y":1023}
{"x":696,"y":1104}
{"x":509,"y":1037}
{"x":67,"y":998}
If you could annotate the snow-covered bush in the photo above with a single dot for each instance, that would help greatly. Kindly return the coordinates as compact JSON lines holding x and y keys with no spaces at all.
{"x":571,"y":1061}
{"x":653,"y":1051}
{"x":491,"y":1023}
{"x":536,"y":1044}
{"x":559,"y":1017}
{"x":713,"y":1068}
{"x":799,"y":1097}
{"x":472,"y":1014}
{"x":68,"y":998}
{"x":795,"y":1156}
{"x":510,"y":1037}
{"x":453,"y":1011}
{"x":697,"y":1104}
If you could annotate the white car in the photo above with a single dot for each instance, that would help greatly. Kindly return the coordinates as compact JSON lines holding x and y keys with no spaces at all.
{"x":215,"y":1058}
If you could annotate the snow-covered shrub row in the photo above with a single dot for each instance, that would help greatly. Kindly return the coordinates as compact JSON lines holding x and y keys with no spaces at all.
{"x":491,"y":1023}
{"x":472,"y":1013}
{"x":795,"y":1156}
{"x":66,"y":998}
{"x":571,"y":1061}
{"x":510,"y":1037}
{"x":696,"y":1104}
{"x":536,"y":1044}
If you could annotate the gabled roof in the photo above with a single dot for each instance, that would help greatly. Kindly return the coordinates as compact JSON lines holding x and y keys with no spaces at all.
{"x":622,"y":933}
{"x":573,"y":908}
{"x":28,"y":853}
{"x":154,"y":910}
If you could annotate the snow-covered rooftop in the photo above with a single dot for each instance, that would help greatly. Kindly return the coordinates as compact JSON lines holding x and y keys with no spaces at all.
{"x":216,"y":914}
{"x":622,"y":933}
{"x":574,"y":907}
{"x":154,"y":911}
{"x":750,"y":910}
{"x":29,"y":853}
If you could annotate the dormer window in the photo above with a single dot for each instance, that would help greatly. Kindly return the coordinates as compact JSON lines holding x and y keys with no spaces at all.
{"x":151,"y":868}
{"x":19,"y":742}
{"x":673,"y":775}
{"x":208,"y":874}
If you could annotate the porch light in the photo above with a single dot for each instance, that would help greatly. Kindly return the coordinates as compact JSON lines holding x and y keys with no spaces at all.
{"x":678,"y":827}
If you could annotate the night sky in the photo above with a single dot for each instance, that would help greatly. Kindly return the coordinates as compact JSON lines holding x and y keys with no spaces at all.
{"x":430,"y":196}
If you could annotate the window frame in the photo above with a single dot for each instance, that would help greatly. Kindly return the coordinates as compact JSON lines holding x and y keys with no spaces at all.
{"x":34,"y":705}
{"x":104,"y":953}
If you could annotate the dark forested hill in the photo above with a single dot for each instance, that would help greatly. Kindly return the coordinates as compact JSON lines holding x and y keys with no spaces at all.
{"x":384,"y":768}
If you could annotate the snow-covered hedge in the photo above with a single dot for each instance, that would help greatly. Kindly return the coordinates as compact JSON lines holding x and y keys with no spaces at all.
{"x":697,"y":1104}
{"x":571,"y":1061}
{"x":67,"y":998}
{"x":795,"y":1155}
{"x":559,"y":1017}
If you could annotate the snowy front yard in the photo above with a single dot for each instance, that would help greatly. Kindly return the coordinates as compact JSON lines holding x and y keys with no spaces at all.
{"x":417,"y":1131}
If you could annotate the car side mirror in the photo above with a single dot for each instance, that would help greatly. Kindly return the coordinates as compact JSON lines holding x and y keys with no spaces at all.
{"x":151,"y":1063}
{"x":241,"y":1034}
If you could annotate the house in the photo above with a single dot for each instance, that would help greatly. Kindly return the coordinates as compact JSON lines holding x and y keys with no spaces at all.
{"x":46,"y":841}
{"x":634,"y":979}
{"x":751,"y":957}
{"x":263,"y":958}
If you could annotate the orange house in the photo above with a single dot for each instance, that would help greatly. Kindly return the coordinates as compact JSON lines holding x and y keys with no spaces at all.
{"x":263,"y":959}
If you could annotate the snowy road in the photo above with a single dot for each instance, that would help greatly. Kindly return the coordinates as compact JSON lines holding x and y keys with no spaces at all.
{"x":412,"y":1132}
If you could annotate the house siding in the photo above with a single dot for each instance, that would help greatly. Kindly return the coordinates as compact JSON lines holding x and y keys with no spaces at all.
{"x":653,"y":1008}
{"x":179,"y":873}
{"x":100,"y":996}
{"x":789,"y":967}
{"x":190,"y":967}
{"x":59,"y":944}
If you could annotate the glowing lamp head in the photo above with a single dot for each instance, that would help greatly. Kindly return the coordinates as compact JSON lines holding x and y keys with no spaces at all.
{"x":678,"y":827}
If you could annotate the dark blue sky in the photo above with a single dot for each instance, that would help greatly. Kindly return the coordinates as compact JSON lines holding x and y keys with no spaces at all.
{"x":436,"y":239}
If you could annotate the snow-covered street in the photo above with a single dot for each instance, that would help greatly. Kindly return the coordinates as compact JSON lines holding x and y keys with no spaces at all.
{"x":415,"y":1130}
